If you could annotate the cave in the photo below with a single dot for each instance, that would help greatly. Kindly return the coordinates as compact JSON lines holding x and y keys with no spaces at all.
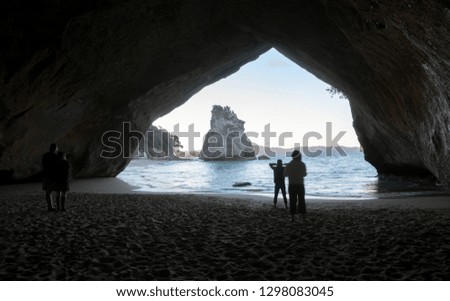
{"x":70,"y":72}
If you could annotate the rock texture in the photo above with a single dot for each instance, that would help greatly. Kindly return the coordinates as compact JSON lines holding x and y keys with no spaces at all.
{"x":158,"y":143}
{"x":73,"y":70}
{"x":226,"y":139}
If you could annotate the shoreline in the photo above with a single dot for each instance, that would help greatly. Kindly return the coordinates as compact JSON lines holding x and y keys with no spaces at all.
{"x":123,"y":236}
{"x":118,"y":186}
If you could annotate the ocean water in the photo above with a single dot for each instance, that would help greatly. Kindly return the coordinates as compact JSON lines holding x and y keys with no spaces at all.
{"x":331,"y":177}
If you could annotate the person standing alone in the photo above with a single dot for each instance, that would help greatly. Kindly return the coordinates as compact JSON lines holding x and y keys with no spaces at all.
{"x":278,"y":179}
{"x":295,"y":171}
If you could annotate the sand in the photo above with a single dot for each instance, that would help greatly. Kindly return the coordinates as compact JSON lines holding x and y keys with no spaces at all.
{"x":129,"y":236}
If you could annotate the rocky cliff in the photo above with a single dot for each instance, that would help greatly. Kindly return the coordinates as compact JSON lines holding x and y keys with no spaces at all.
{"x":71,"y":71}
{"x":226,"y":139}
{"x":158,"y":143}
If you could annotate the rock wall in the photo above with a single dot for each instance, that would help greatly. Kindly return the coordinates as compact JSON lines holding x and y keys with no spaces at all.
{"x":81,"y":73}
{"x":71,"y":71}
{"x":226,"y":139}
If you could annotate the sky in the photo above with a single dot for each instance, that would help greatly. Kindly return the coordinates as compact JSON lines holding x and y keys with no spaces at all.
{"x":270,"y":90}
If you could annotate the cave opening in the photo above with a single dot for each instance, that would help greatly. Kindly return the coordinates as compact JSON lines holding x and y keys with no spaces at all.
{"x":270,"y":93}
{"x":78,"y":73}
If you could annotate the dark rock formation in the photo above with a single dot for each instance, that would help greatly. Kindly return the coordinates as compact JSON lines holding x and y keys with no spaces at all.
{"x":158,"y":143}
{"x":72,"y":70}
{"x":242,"y":184}
{"x":226,"y":139}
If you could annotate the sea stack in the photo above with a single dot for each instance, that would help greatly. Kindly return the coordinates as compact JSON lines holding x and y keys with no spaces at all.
{"x":226,"y":139}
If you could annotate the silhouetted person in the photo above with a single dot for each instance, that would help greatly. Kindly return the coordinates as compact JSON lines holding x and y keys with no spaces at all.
{"x":62,"y":181}
{"x":49,"y":174}
{"x":296,"y":171}
{"x":278,"y":179}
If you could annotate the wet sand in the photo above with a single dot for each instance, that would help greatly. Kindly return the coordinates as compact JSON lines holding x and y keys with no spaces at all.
{"x":127,"y":236}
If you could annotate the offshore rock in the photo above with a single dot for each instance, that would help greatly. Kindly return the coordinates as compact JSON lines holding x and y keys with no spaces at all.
{"x":242,"y":184}
{"x":71,"y":71}
{"x":226,"y":139}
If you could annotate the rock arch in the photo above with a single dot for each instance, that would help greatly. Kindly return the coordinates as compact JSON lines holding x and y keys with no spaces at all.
{"x":72,"y":71}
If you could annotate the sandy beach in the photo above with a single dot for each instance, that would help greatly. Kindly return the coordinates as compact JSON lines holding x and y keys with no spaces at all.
{"x":122,"y":235}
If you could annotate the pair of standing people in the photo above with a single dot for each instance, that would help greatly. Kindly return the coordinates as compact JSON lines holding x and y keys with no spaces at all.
{"x":55,"y":177}
{"x":295,"y":171}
